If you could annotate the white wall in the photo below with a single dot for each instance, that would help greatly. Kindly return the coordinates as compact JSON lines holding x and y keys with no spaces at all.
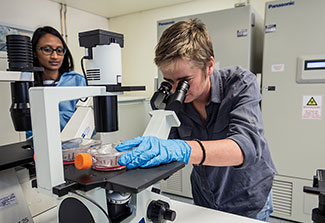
{"x":140,"y":33}
{"x":35,"y":13}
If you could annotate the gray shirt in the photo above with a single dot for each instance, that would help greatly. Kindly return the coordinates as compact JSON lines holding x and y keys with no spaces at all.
{"x":233,"y":112}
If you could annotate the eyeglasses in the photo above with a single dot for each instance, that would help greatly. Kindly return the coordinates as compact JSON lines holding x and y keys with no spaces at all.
{"x":46,"y":50}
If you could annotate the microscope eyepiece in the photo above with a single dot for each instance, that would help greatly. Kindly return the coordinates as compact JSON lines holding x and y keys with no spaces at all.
{"x":182,"y":88}
{"x":163,"y":99}
{"x":165,"y":87}
{"x":159,"y":98}
{"x":177,"y":99}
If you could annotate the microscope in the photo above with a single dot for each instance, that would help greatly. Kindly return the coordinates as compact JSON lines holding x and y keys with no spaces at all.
{"x":90,"y":195}
{"x":13,"y":156}
{"x":318,"y":214}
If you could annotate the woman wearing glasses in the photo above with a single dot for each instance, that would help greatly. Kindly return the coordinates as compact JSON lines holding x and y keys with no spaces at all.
{"x":52,"y":53}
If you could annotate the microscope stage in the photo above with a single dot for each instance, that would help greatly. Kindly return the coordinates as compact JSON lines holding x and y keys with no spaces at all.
{"x":16,"y":154}
{"x":132,"y":181}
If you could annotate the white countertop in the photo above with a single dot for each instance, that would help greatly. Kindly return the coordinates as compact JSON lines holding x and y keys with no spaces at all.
{"x":190,"y":213}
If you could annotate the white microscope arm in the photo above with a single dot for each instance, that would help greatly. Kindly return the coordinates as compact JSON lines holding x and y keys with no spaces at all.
{"x":46,"y":130}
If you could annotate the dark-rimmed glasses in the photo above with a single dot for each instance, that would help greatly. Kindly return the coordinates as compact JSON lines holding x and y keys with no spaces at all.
{"x":46,"y":50}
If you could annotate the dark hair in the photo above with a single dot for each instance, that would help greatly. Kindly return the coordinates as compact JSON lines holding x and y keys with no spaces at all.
{"x":67,"y":64}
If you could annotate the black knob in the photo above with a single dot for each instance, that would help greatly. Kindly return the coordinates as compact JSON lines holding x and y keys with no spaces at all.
{"x":170,"y":215}
{"x":158,"y":212}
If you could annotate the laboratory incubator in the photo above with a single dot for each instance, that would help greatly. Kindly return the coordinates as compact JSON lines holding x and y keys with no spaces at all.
{"x":293,"y":90}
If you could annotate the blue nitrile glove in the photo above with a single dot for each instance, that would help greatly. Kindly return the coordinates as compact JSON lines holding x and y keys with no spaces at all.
{"x":152,"y":151}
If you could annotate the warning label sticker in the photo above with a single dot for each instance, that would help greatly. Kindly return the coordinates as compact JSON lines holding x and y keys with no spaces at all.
{"x":8,"y":201}
{"x":312,"y":107}
{"x":312,"y":101}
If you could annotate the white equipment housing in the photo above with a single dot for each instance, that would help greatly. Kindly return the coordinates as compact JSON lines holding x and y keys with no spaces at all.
{"x":293,"y":89}
{"x":107,"y":60}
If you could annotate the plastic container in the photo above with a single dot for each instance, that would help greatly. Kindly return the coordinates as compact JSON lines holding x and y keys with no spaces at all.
{"x":72,"y":147}
{"x":103,"y":158}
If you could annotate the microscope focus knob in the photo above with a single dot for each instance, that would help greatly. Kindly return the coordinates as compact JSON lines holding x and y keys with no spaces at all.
{"x":158,"y":212}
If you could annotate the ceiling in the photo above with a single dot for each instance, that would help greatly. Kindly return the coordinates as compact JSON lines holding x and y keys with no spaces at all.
{"x":112,"y":8}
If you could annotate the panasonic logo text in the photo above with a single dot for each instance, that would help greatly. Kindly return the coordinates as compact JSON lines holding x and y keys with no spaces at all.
{"x":165,"y":23}
{"x":272,"y":6}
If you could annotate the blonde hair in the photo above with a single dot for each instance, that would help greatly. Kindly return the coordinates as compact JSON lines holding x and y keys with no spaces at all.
{"x":187,"y":40}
